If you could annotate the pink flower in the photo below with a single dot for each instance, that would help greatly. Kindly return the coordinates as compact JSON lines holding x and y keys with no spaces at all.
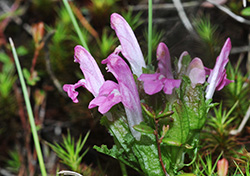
{"x":154,"y":83}
{"x":93,"y":76}
{"x":222,"y":167}
{"x":109,"y":93}
{"x":129,"y":48}
{"x":217,"y":76}
{"x":128,"y":91}
{"x":109,"y":96}
{"x":196,"y":72}
{"x":164,"y":64}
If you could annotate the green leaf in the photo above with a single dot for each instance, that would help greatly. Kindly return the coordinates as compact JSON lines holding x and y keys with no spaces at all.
{"x":171,"y":142}
{"x":141,"y":155}
{"x":21,"y":51}
{"x":149,"y":111}
{"x":26,"y":73}
{"x":179,"y":129}
{"x":5,"y":58}
{"x":143,"y":128}
{"x":246,"y":11}
{"x":194,"y":104}
{"x":31,"y":80}
{"x":117,"y":154}
{"x":164,"y":114}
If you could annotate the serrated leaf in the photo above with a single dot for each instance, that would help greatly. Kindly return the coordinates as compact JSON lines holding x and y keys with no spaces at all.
{"x":147,"y":154}
{"x":118,"y":154}
{"x":143,"y":128}
{"x":179,"y":129}
{"x":194,"y":104}
{"x":141,"y":155}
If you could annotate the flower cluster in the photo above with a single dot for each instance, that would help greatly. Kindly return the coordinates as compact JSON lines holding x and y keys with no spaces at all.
{"x":108,"y":93}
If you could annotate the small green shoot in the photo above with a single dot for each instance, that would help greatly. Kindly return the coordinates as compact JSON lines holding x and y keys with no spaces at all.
{"x":7,"y":76}
{"x":206,"y":30}
{"x":106,"y":44}
{"x":14,"y":163}
{"x":208,"y":167}
{"x":133,"y":20}
{"x":69,"y":152}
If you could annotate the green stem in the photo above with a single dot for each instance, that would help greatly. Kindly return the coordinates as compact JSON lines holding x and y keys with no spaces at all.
{"x":123,"y":169}
{"x":150,"y":23}
{"x":29,"y":109}
{"x":75,"y":24}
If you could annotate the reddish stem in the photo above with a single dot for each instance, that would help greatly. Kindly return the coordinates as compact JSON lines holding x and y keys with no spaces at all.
{"x":34,"y":61}
{"x":159,"y":148}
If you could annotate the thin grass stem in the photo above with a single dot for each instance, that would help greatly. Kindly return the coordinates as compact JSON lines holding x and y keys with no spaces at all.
{"x":75,"y":24}
{"x":150,"y":23}
{"x":29,"y":110}
{"x":123,"y":169}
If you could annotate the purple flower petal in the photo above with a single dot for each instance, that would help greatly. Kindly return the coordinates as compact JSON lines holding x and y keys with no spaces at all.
{"x":223,"y":81}
{"x":70,"y":89}
{"x":109,"y":96}
{"x":170,"y":84}
{"x":208,"y":71}
{"x":92,"y":74}
{"x":151,"y":83}
{"x":154,"y":83}
{"x":164,"y":64}
{"x":129,"y":93}
{"x":217,"y":79}
{"x":129,"y":44}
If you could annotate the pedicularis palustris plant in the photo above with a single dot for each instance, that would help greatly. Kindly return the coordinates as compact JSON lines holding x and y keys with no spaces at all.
{"x":155,"y":117}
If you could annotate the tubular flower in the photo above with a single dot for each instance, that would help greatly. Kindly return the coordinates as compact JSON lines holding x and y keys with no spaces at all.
{"x":217,"y":76}
{"x":154,"y":83}
{"x":128,"y":91}
{"x":93,"y":76}
{"x":196,"y":72}
{"x":108,"y":93}
{"x":164,"y":64}
{"x":129,"y":48}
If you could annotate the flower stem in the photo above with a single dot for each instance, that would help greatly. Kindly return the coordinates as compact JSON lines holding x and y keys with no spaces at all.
{"x":29,"y":110}
{"x":150,"y":23}
{"x":75,"y":24}
{"x":159,"y":148}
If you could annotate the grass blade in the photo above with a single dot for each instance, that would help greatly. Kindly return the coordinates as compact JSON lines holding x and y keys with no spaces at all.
{"x":29,"y":110}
